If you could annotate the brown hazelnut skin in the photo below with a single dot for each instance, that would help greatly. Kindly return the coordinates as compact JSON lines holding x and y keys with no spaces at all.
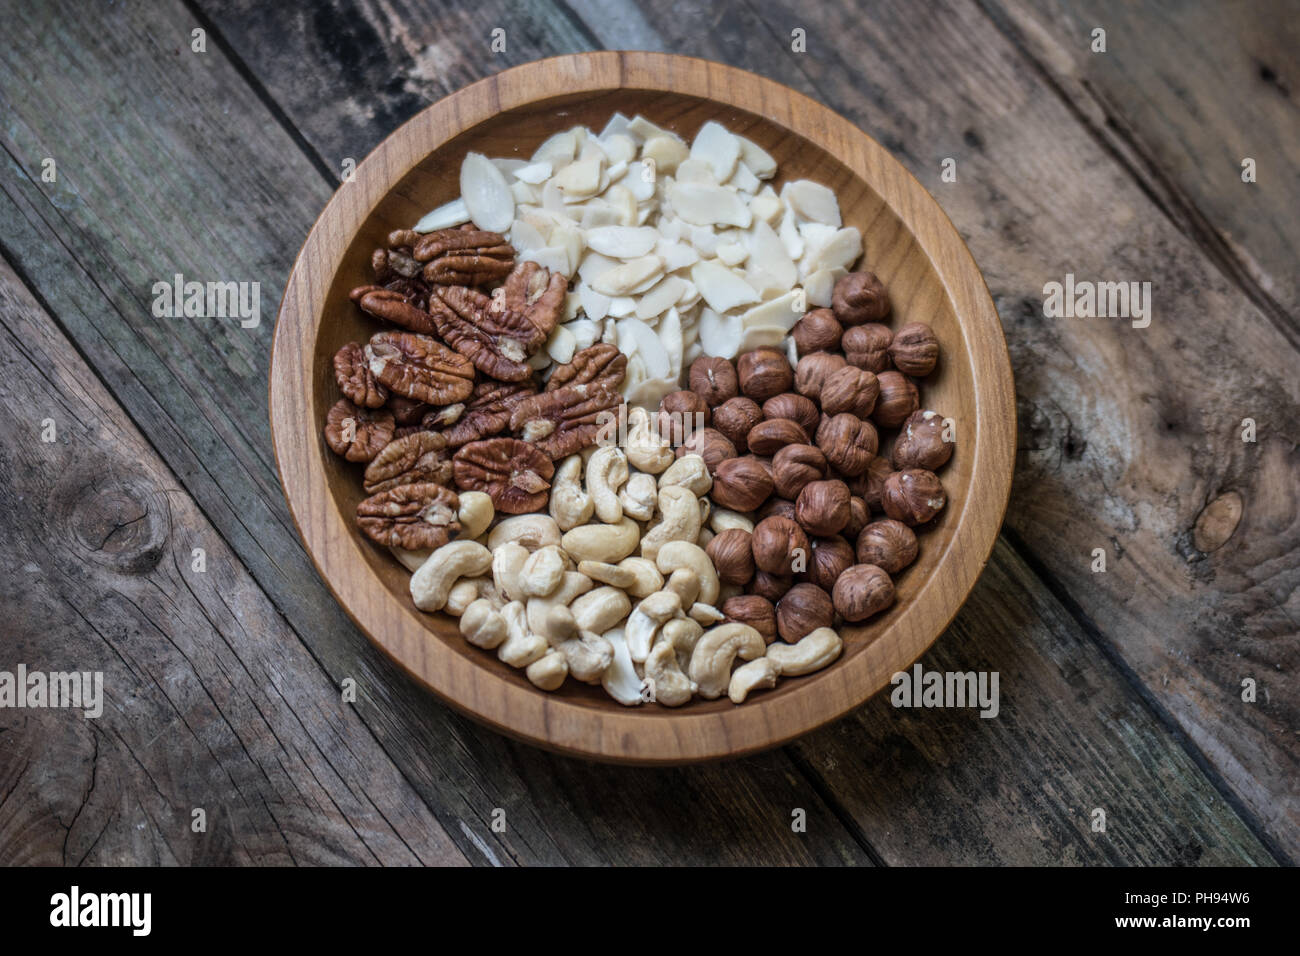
{"x":915,"y":349}
{"x":873,"y":482}
{"x":851,"y":390}
{"x":888,"y":544}
{"x":775,"y":542}
{"x":920,"y":444}
{"x":804,"y":608}
{"x":735,"y":417}
{"x":859,"y":297}
{"x":763,"y":373}
{"x":861,"y":591}
{"x":913,"y":496}
{"x":682,"y":414}
{"x":859,"y":515}
{"x":732,"y":556}
{"x":818,"y":331}
{"x":822,"y":508}
{"x":758,"y":612}
{"x":741,"y":484}
{"x":898,"y":399}
{"x":813,"y":371}
{"x":769,"y":437}
{"x":714,"y":380}
{"x":795,"y":407}
{"x":848,"y":443}
{"x":782,"y":507}
{"x":771,"y":587}
{"x":711,"y":445}
{"x":867,"y":346}
{"x":796,"y":465}
{"x":830,"y":558}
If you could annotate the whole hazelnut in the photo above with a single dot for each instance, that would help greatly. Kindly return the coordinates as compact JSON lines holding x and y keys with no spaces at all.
{"x":769,"y":437}
{"x":859,"y":515}
{"x":897,"y":400}
{"x":682,"y":414}
{"x":861,"y":591}
{"x":763,"y":373}
{"x":735,"y":417}
{"x":867,"y":346}
{"x":714,"y":380}
{"x":888,"y":544}
{"x":813,"y":370}
{"x":758,"y":612}
{"x":921,"y":443}
{"x":732,"y":556}
{"x":711,"y":445}
{"x":915,"y":349}
{"x":795,"y":407}
{"x":771,"y":587}
{"x":782,"y":507}
{"x":741,"y":484}
{"x":822,"y":508}
{"x":796,"y":465}
{"x":873,"y":482}
{"x":804,"y":608}
{"x":851,"y":389}
{"x":913,"y":496}
{"x":848,"y":443}
{"x":859,"y":297}
{"x":830,"y":558}
{"x":818,"y":331}
{"x":778,"y":542}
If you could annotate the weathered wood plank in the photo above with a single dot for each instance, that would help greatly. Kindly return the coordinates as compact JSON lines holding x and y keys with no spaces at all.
{"x":209,"y":700}
{"x":740,"y":37}
{"x":149,"y":186}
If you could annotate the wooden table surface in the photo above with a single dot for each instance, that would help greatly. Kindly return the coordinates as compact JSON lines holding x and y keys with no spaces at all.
{"x":1125,"y":691}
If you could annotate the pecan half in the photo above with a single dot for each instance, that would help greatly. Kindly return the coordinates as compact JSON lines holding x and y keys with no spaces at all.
{"x":407,"y":411}
{"x":412,"y":517}
{"x":487,"y":412}
{"x":566,"y":420}
{"x":421,"y":457}
{"x":358,"y":434}
{"x":420,"y":367}
{"x":496,"y":339}
{"x":515,"y":474}
{"x":464,"y":256}
{"x":356,"y":381}
{"x":600,"y":364}
{"x":392,"y":306}
{"x":398,"y":260}
{"x":536,"y":293}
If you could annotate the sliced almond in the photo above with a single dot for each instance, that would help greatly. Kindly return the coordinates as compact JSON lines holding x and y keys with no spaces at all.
{"x":621,"y":306}
{"x":778,"y":313}
{"x":744,"y":180}
{"x":487,"y":195}
{"x":661,"y":298}
{"x":525,"y":236}
{"x":770,"y":265}
{"x":623,"y":242}
{"x":619,"y":147}
{"x":705,"y":241}
{"x":445,"y":216}
{"x":762,"y":336}
{"x":585,"y":332}
{"x":839,"y":251}
{"x":647,"y":345}
{"x":594,"y":303}
{"x":721,"y":288}
{"x":676,"y":255}
{"x":720,"y":335}
{"x":696,"y":171}
{"x":534,"y":173}
{"x":558,"y":150}
{"x":623,"y":201}
{"x":618,"y":125}
{"x":554,"y":258}
{"x":704,"y":205}
{"x":813,"y":202}
{"x":594,"y":265}
{"x":640,"y":126}
{"x":732,"y":253}
{"x":666,"y":151}
{"x":759,"y":161}
{"x":596,"y":214}
{"x":640,"y":180}
{"x":580,"y":178}
{"x":819,"y":285}
{"x":670,"y":334}
{"x":717,"y":146}
{"x":623,"y":278}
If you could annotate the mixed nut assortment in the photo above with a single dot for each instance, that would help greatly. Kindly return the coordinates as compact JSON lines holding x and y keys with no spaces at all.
{"x":696,"y":522}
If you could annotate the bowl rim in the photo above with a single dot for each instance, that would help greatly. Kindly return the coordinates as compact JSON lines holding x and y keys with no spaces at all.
{"x":635,"y":736}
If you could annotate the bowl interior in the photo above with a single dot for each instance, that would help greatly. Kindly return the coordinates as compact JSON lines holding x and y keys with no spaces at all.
{"x":891,"y":251}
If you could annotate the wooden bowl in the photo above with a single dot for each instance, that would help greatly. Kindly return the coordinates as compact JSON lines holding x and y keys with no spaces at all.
{"x":909,"y":243}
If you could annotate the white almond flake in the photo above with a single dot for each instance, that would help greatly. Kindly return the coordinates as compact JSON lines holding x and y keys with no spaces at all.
{"x":696,"y":171}
{"x":789,"y":234}
{"x":580,"y":178}
{"x":554,"y":258}
{"x":553,"y":197}
{"x":705,"y":205}
{"x":819,"y":285}
{"x":534,"y":173}
{"x":635,"y":367}
{"x":558,"y":150}
{"x":840,"y":251}
{"x":640,"y":126}
{"x":756,"y":158}
{"x":623,"y":278}
{"x":621,"y":306}
{"x":445,"y":216}
{"x":525,"y":236}
{"x":720,"y":334}
{"x":619,"y":147}
{"x":815,"y":234}
{"x":561,"y":345}
{"x":585,"y":332}
{"x":590,"y":148}
{"x":647,"y":393}
{"x":596,"y":213}
{"x":690,"y":295}
{"x":617,"y":125}
{"x":524,"y":194}
{"x":721,"y":288}
{"x":666,"y":151}
{"x":509,"y":165}
{"x":778,"y":312}
{"x":813,"y":202}
{"x":761,"y":336}
{"x":676,"y":255}
{"x":662,"y":297}
{"x":623,"y":242}
{"x":640,"y":181}
{"x":770,"y":265}
{"x":766,"y":208}
{"x":594,"y":265}
{"x":670,"y":333}
{"x":572,"y":306}
{"x":647,"y":345}
{"x":486,"y":193}
{"x":744,"y":180}
{"x":717,"y":146}
{"x":593,"y":303}
{"x":732,"y":253}
{"x":705,"y":241}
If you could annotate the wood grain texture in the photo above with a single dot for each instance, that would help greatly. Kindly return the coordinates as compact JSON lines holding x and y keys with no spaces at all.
{"x":145,"y":189}
{"x":209,"y":701}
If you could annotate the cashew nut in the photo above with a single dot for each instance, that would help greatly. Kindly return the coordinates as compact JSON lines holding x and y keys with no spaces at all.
{"x":507,"y":561}
{"x":706,"y":614}
{"x":411,"y":560}
{"x":482,"y":625}
{"x":714,"y":652}
{"x":620,"y":679}
{"x":432,"y":582}
{"x":647,"y":617}
{"x":602,"y":542}
{"x":760,"y":673}
{"x":814,"y":651}
{"x":521,"y":646}
{"x":475,"y":513}
{"x":681,"y":520}
{"x":647,"y":450}
{"x":462,"y":594}
{"x":601,"y":609}
{"x":570,"y":504}
{"x":588,"y":655}
{"x":542,"y":572}
{"x":533,"y":531}
{"x":548,"y":671}
{"x":688,"y":472}
{"x":638,"y":497}
{"x":669,"y":685}
{"x":571,"y":585}
{"x":686,"y":554}
{"x":606,"y":473}
{"x":612,"y":574}
{"x":648,"y":579}
{"x":723,"y":519}
{"x":683,"y":634}
{"x":685,"y":583}
{"x":706,"y":535}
